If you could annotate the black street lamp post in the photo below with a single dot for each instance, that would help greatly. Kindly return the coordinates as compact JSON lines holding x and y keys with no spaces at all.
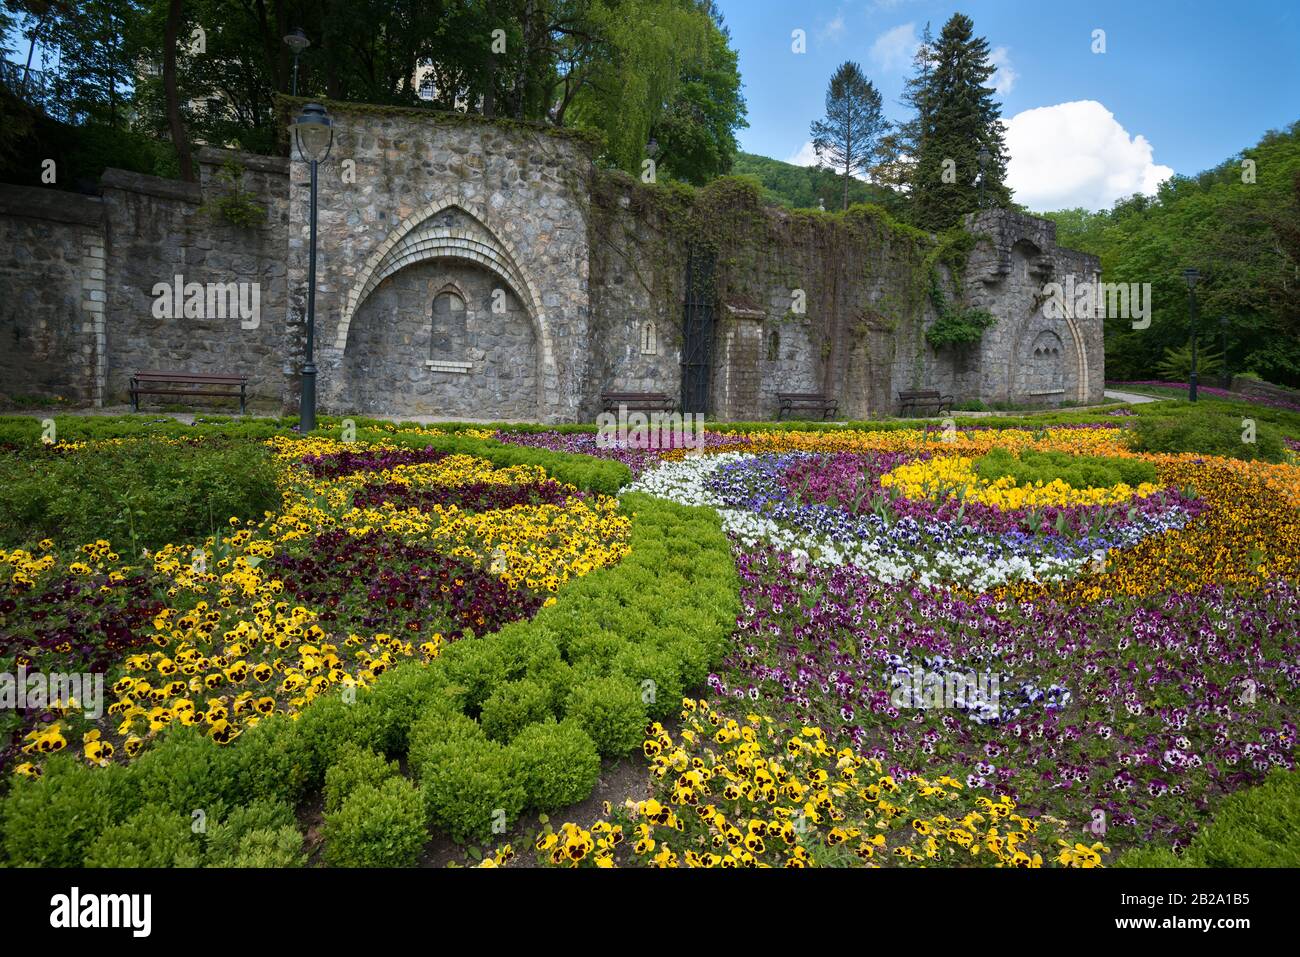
{"x":296,"y":41}
{"x":1191,"y":274}
{"x":314,"y":133}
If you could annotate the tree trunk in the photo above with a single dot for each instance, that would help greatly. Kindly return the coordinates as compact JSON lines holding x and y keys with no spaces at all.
{"x":490,"y":85}
{"x":174,"y":119}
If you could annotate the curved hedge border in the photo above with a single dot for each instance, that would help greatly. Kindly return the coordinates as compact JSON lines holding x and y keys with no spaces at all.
{"x":1256,"y":827}
{"x":662,"y":615}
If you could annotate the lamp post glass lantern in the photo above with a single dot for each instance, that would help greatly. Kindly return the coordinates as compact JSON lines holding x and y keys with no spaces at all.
{"x":1191,"y":275}
{"x":297,"y":41}
{"x":313,"y":133}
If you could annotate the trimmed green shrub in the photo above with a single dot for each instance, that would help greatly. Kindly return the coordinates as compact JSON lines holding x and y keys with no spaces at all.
{"x":186,"y":772}
{"x":471,"y":787}
{"x":1208,"y":433}
{"x":611,"y":710}
{"x":476,"y":668}
{"x":557,"y":764}
{"x":330,"y":723}
{"x":391,"y":706}
{"x":1076,"y":471}
{"x":1256,"y":827}
{"x":657,"y":673}
{"x":382,"y":826}
{"x":437,"y":731}
{"x":152,"y":837}
{"x":281,"y":847}
{"x":142,"y":493}
{"x":225,"y":837}
{"x":355,"y":768}
{"x":514,"y":706}
{"x":273,"y":760}
{"x":49,"y":822}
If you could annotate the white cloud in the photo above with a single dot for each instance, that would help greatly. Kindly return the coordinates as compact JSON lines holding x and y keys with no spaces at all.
{"x":804,"y":156}
{"x":832,"y":29}
{"x":1005,"y":77}
{"x":894,"y":49}
{"x":1077,"y":154}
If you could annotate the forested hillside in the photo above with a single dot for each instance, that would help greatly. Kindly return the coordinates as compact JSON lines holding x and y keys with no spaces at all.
{"x":805,"y":187}
{"x":1239,"y":224}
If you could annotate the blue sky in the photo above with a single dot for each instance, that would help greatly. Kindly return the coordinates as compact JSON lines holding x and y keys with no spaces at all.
{"x":1181,"y":86}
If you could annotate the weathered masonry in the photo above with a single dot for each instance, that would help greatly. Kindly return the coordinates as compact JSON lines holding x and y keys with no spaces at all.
{"x":482,"y":270}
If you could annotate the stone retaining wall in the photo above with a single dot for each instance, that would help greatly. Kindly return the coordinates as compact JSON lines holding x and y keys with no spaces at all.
{"x":572,"y":279}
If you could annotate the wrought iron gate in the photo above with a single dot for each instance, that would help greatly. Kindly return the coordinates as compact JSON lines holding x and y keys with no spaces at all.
{"x":697,"y":330}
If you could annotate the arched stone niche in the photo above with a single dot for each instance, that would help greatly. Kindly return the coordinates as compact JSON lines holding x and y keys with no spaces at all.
{"x":441,"y":321}
{"x":443,"y":337}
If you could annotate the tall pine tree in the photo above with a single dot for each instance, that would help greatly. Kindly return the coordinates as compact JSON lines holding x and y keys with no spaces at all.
{"x":957,"y":117}
{"x":900,"y":147}
{"x":848,"y":138}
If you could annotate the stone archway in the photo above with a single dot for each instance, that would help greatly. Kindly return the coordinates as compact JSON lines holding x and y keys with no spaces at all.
{"x":1047,"y":361}
{"x":453,"y":231}
{"x":443,"y":337}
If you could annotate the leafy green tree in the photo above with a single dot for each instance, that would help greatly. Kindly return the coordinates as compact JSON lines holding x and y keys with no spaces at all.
{"x":93,"y":45}
{"x":958,"y":118}
{"x":1239,"y":224}
{"x":696,"y":133}
{"x":848,"y":137}
{"x":901,"y":145}
{"x":651,"y":45}
{"x":626,"y":69}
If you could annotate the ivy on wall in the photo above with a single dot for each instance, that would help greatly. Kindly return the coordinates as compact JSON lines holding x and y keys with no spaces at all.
{"x":235,"y":205}
{"x":860,"y":269}
{"x":954,"y":325}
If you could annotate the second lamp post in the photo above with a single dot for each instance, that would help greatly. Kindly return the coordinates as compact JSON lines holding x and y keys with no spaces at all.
{"x":313,"y":132}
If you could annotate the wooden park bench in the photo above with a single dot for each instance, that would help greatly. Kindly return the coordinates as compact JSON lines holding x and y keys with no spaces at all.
{"x":792,"y":401}
{"x":223,"y":386}
{"x":637,"y":401}
{"x":920,"y":400}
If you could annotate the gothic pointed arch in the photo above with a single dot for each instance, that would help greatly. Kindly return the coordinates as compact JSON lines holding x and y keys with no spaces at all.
{"x":450,"y":229}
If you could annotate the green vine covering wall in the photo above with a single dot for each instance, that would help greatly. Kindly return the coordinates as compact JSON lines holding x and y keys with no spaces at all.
{"x":862,"y":271}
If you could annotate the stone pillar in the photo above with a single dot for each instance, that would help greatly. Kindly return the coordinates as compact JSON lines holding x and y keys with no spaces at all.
{"x":737,"y":373}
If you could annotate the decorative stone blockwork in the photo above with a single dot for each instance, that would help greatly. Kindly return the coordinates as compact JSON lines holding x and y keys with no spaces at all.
{"x":402,"y":188}
{"x":52,"y":269}
{"x":474,"y":269}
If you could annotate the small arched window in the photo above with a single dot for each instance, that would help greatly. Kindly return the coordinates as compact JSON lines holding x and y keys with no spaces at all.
{"x":649,"y":339}
{"x":773,"y":346}
{"x":448,"y":331}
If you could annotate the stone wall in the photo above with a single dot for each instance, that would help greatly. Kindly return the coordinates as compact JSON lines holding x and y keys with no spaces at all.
{"x":158,"y":229}
{"x":52,"y":341}
{"x":572,"y":282}
{"x":79,"y":275}
{"x":1028,"y":358}
{"x":1257,"y":388}
{"x":517,"y":203}
{"x":837,"y":305}
{"x":804,"y":303}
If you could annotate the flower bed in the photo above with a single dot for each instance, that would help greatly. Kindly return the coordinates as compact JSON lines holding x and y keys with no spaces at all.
{"x":633,"y":604}
{"x":378,"y":553}
{"x":1110,"y":661}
